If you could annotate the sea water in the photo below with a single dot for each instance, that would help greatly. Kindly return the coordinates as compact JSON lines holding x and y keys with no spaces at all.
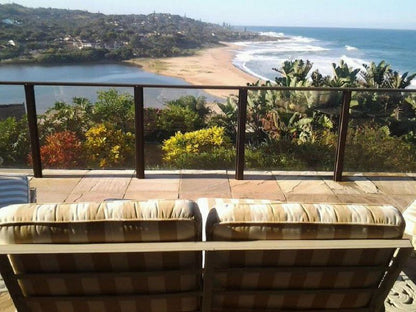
{"x":324,"y":46}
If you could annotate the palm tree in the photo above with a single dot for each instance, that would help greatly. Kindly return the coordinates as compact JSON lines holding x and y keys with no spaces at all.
{"x":294,"y":73}
{"x":374,"y":75}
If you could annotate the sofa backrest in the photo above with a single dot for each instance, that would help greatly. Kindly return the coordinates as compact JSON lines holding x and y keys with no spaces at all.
{"x":106,"y":281}
{"x":315,"y":279}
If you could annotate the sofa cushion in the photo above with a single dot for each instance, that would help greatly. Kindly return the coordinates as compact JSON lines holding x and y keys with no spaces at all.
{"x":110,"y":221}
{"x":262,"y":220}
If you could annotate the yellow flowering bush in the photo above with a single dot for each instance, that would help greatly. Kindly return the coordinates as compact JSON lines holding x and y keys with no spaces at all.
{"x":206,"y":148}
{"x":108,"y":147}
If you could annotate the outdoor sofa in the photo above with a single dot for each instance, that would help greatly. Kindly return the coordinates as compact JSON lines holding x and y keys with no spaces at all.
{"x":213,"y":255}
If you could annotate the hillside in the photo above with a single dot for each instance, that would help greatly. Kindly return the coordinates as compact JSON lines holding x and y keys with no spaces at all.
{"x":47,"y":35}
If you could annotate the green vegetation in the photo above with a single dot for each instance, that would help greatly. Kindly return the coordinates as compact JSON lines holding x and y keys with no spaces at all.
{"x":294,"y":130}
{"x":67,"y":36}
{"x":199,"y":149}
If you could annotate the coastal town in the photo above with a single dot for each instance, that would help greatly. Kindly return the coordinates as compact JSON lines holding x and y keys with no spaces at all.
{"x":63,"y":36}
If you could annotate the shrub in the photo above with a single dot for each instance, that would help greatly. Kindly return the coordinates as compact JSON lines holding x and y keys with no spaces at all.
{"x":107,"y":147}
{"x":206,"y":148}
{"x":116,"y":109}
{"x":75,"y":117}
{"x":372,"y":148}
{"x":289,"y":155}
{"x":178,"y":118}
{"x":14,"y":141}
{"x":62,"y":150}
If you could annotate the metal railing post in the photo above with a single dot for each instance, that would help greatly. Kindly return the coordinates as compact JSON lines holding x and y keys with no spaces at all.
{"x":139,"y":130}
{"x":33,"y":129}
{"x":241,"y":133}
{"x":342,"y":135}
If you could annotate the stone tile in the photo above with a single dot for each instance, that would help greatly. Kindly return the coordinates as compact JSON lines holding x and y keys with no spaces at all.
{"x":374,"y":199}
{"x":52,"y":190}
{"x":278,"y":173}
{"x":384,"y":174}
{"x":56,"y":173}
{"x":97,"y":185}
{"x":256,"y":186}
{"x":402,"y":201}
{"x":310,"y":184}
{"x":198,"y":185}
{"x":342,"y":187}
{"x":151,"y":195}
{"x":155,"y":185}
{"x":363,"y":183}
{"x":110,"y":173}
{"x":395,"y":185}
{"x":312,"y":198}
{"x":93,"y":196}
{"x":28,"y":172}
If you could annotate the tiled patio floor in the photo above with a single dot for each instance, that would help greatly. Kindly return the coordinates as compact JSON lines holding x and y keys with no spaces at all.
{"x":96,"y":185}
{"x":287,"y":186}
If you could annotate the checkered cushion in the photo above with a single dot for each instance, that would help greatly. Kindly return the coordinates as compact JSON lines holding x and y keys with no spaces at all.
{"x":307,"y":270}
{"x":111,"y":221}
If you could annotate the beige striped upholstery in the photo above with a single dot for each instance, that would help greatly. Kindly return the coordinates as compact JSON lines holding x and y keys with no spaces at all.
{"x":410,"y":216}
{"x":338,"y":272}
{"x":138,"y":275}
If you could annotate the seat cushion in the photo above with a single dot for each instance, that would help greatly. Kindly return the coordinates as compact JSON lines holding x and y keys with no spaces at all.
{"x":262,"y":220}
{"x":110,"y":221}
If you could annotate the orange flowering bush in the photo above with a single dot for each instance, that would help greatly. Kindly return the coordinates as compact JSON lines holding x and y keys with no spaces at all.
{"x":61,"y":150}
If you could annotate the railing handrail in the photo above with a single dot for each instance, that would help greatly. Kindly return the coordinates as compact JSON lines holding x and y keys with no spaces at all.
{"x":207,"y":87}
{"x":242,"y":115}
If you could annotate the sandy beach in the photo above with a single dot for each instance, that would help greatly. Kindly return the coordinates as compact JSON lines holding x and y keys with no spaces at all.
{"x":208,"y":67}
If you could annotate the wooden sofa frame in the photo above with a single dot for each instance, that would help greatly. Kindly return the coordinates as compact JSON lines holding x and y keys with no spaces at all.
{"x":403,"y":250}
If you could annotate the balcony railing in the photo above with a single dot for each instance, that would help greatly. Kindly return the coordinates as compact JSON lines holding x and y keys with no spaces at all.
{"x":29,"y":88}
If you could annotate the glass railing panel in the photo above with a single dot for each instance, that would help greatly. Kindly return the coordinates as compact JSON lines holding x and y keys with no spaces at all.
{"x":382,"y":132}
{"x":14,"y":133}
{"x":292,"y":130}
{"x":188,"y":129}
{"x":85,"y":127}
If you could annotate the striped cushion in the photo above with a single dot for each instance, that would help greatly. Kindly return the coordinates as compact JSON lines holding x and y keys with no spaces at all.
{"x":111,"y":221}
{"x":250,"y":221}
{"x":13,"y":190}
{"x":138,"y":275}
{"x":410,"y":216}
{"x":311,"y":271}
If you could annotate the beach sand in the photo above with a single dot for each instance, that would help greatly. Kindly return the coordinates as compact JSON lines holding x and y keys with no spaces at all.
{"x":211,"y":66}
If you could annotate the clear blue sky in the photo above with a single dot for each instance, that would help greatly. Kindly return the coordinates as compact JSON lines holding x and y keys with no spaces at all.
{"x":399,"y":14}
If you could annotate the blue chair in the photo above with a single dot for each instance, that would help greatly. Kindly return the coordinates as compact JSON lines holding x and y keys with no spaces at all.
{"x":14,"y":189}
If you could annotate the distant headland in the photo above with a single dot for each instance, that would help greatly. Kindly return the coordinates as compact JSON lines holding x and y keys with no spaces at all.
{"x":57,"y":36}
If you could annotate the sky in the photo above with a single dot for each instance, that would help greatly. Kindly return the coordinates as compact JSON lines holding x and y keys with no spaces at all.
{"x":390,"y":14}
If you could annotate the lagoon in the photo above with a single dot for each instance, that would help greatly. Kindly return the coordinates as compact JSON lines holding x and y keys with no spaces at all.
{"x":88,"y":73}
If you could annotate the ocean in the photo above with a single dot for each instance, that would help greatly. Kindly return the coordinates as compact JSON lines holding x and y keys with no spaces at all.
{"x":324,"y":46}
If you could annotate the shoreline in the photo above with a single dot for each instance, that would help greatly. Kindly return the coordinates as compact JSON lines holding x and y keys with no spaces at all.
{"x":212,"y":66}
